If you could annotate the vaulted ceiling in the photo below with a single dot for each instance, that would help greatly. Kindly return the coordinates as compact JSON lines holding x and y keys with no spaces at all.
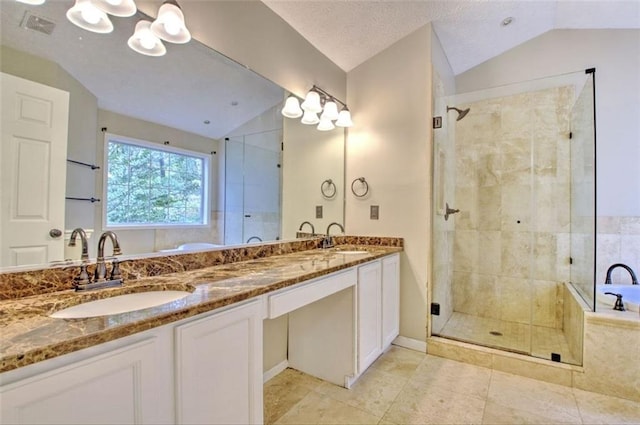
{"x":471,"y":31}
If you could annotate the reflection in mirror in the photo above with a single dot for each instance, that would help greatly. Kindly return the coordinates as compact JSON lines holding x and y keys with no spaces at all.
{"x":311,"y":158}
{"x":193,"y":98}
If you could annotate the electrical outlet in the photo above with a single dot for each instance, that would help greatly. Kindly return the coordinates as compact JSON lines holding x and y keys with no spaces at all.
{"x":375,"y":212}
{"x":437,"y":122}
{"x":318,"y":211}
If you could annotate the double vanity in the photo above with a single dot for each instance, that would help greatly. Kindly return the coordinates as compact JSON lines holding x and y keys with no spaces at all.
{"x":197,"y":358}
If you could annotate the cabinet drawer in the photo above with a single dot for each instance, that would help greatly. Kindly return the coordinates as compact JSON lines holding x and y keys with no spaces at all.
{"x":307,"y":292}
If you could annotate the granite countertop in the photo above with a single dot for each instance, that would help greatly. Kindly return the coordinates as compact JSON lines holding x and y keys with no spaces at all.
{"x":29,"y":335}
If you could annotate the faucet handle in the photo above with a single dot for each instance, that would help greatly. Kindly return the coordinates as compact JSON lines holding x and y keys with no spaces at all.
{"x":115,"y":270}
{"x":618,"y":305}
{"x":83,"y":278}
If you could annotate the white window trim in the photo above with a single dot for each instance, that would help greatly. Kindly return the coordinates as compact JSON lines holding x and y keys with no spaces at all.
{"x":152,"y":145}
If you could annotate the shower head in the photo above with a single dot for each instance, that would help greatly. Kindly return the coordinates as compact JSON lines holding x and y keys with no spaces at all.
{"x":461,"y":112}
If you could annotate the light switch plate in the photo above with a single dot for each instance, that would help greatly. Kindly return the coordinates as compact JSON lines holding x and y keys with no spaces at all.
{"x":318,"y":211}
{"x":375,"y":212}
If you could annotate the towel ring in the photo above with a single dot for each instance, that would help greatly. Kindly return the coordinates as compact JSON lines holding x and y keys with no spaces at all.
{"x":364,"y":184}
{"x":328,"y":188}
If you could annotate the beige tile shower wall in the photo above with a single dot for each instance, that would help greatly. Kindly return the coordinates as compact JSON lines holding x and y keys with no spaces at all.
{"x":618,"y":241}
{"x":513,"y":206}
{"x":573,"y":321}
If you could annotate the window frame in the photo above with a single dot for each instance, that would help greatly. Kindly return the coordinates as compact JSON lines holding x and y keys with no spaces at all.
{"x":206,"y":187}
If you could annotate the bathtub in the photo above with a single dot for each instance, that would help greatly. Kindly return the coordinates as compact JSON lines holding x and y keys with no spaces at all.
{"x":630,"y":295}
{"x":194,"y":246}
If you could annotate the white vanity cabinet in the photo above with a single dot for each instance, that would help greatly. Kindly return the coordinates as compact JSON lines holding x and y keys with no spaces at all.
{"x":219,"y":367}
{"x":130,"y":384}
{"x":204,"y":369}
{"x":341,"y":323}
{"x":390,"y":299}
{"x":369,"y":314}
{"x":378,"y":308}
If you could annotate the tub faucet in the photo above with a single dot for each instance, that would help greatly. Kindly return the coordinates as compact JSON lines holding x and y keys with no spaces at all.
{"x":83,"y":239}
{"x":101,"y":268}
{"x":634,"y":279}
{"x":327,"y":242}
{"x":313,"y":230}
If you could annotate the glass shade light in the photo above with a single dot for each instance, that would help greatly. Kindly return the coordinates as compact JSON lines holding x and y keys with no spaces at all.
{"x":312,"y":102}
{"x":325,"y":124}
{"x":330,"y":110}
{"x":344,"y":119}
{"x":85,"y":15}
{"x":310,"y":118}
{"x":292,"y":108}
{"x":121,"y":8}
{"x":145,"y":42}
{"x":32,"y":2}
{"x":169,"y":25}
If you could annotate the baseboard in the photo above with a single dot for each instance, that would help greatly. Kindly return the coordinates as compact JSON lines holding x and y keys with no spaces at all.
{"x":275,"y":370}
{"x":410,"y":343}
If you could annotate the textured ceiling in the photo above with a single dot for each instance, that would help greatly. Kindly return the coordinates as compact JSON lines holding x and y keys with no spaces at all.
{"x":350,"y":32}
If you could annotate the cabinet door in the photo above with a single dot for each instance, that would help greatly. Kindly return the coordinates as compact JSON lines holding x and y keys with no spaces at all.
{"x":87,"y":392}
{"x":390,"y":299}
{"x":219,"y":368}
{"x":369,"y":314}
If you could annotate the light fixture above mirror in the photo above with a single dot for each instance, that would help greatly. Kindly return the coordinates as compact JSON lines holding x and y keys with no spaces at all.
{"x":318,"y":101}
{"x":93,"y":15}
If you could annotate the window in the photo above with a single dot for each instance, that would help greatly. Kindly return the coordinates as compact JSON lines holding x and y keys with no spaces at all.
{"x":148,"y":185}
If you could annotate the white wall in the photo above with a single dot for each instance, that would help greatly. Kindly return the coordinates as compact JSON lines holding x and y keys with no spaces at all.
{"x":616,"y":56}
{"x":390,"y":145}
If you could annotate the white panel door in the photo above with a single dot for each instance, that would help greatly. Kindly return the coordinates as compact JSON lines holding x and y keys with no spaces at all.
{"x":33,"y":170}
{"x":390,"y":299}
{"x":119,"y":387}
{"x":219,"y":368}
{"x":369,"y":314}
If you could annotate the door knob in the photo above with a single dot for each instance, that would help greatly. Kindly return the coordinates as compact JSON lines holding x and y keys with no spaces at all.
{"x":449,"y":211}
{"x":55,"y":233}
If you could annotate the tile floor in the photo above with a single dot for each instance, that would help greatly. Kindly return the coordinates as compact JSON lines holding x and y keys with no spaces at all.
{"x":408,"y":387}
{"x":514,"y":336}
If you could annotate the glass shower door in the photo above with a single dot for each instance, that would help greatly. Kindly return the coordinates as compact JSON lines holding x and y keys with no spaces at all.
{"x":253,"y":187}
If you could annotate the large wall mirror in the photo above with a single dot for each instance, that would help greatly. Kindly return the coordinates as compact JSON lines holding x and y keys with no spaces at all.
{"x":264,"y":175}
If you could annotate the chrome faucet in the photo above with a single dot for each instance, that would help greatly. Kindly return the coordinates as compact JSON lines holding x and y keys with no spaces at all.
{"x":327,"y":242}
{"x":101,"y":268}
{"x":83,"y":238}
{"x":634,"y":279}
{"x":83,"y":281}
{"x":313,"y":230}
{"x":254,"y":237}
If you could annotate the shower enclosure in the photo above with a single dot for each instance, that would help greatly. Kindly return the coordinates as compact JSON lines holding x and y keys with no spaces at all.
{"x":252,"y":187}
{"x":514,"y":213}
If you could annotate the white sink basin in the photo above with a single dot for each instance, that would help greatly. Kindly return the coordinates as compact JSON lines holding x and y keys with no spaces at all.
{"x":119,"y":304}
{"x":350,"y":252}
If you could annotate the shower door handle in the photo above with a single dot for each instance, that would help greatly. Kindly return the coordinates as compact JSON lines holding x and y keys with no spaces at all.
{"x":449,"y":211}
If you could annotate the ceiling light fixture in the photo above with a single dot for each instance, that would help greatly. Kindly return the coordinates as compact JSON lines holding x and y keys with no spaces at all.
{"x":506,"y":21}
{"x":87,"y":16}
{"x":145,"y":42}
{"x":122,"y":8}
{"x":318,"y":101}
{"x":169,"y":25}
{"x":93,"y":15}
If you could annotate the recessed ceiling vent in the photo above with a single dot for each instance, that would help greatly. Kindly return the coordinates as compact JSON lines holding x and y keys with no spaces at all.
{"x":36,"y":23}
